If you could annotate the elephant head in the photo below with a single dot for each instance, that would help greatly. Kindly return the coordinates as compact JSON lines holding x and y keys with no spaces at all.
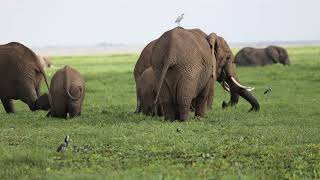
{"x":278,"y":55}
{"x":226,"y":73}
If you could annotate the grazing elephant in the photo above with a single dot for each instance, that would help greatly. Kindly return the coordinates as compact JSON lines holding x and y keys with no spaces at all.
{"x":66,"y":94}
{"x":146,"y":92}
{"x":183,"y":62}
{"x":143,"y":63}
{"x":20,"y":74}
{"x":262,"y":56}
{"x":45,"y":62}
{"x":226,"y":75}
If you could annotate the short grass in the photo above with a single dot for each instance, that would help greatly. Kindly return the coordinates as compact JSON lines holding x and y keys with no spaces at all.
{"x":109,"y":141}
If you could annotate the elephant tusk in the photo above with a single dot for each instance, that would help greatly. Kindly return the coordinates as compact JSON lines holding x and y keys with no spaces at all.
{"x":241,"y":86}
{"x":225,"y":86}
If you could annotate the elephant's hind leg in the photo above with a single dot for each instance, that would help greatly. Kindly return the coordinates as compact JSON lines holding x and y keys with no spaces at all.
{"x":202,"y":98}
{"x":8,"y":105}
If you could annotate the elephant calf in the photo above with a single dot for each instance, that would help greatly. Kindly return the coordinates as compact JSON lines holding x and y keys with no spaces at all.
{"x":262,"y":56}
{"x":146,"y":93}
{"x":66,"y":94}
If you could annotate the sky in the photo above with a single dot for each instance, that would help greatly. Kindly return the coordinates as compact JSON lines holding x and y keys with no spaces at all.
{"x":89,"y":22}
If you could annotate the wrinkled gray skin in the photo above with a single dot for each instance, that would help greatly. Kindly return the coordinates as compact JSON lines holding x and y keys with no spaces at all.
{"x":183,"y":62}
{"x":66,"y":95}
{"x":146,"y":91}
{"x":262,"y":56}
{"x":20,"y":75}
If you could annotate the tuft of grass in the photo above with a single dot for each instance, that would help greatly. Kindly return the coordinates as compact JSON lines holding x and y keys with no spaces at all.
{"x":109,"y":141}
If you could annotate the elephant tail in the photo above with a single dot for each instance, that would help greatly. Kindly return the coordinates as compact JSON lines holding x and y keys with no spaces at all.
{"x":45,"y":79}
{"x":68,"y":85}
{"x":163,"y":74}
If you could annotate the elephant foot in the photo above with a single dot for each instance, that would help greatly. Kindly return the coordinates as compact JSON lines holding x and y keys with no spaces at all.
{"x":183,"y":117}
{"x":8,"y":105}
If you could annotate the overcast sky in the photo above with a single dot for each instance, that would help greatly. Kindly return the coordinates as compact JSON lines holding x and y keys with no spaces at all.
{"x":88,"y":22}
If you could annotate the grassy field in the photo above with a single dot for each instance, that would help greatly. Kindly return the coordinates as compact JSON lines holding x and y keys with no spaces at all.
{"x":282,"y":141}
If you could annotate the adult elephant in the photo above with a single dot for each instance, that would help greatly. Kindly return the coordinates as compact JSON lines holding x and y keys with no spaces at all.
{"x":20,"y":74}
{"x":226,"y":75}
{"x":183,"y":63}
{"x":262,"y":56}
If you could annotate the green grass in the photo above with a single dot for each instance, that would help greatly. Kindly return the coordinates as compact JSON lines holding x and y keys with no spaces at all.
{"x":282,"y":141}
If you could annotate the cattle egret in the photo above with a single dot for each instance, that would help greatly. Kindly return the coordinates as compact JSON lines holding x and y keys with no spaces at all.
{"x":178,"y":20}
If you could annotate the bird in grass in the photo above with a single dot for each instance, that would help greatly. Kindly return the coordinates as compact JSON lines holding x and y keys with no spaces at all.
{"x":179,"y":19}
{"x":64,"y":145}
{"x":268,"y":90}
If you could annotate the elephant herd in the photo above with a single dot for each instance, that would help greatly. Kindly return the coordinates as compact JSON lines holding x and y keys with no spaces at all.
{"x":175,"y":74}
{"x":21,"y":73}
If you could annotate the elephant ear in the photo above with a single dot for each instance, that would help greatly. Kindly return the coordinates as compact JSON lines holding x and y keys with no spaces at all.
{"x":212,"y":40}
{"x":273,"y":53}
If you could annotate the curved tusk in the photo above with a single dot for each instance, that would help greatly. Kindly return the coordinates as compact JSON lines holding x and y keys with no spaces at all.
{"x":241,"y":86}
{"x":225,"y":86}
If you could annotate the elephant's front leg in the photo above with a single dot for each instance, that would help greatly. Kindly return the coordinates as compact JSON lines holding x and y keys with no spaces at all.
{"x":8,"y":105}
{"x":202,"y":98}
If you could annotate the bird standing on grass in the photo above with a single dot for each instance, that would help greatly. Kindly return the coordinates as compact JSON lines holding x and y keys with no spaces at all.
{"x":179,"y":19}
{"x":64,"y":145}
{"x":268,"y":90}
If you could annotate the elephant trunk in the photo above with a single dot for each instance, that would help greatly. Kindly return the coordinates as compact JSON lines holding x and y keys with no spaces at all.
{"x":237,"y":89}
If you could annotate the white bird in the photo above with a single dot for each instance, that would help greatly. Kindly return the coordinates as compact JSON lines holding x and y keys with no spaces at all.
{"x":64,"y":145}
{"x":178,"y":20}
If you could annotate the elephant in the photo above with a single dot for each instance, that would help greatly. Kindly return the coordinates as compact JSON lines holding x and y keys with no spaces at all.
{"x":143,"y":63}
{"x":146,"y":92}
{"x":66,"y":94}
{"x":21,"y":74}
{"x":262,"y":56}
{"x":226,"y":75}
{"x":45,"y":62}
{"x":183,"y":63}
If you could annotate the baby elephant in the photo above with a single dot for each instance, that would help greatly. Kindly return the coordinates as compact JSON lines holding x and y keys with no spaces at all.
{"x":66,"y":94}
{"x":146,"y":92}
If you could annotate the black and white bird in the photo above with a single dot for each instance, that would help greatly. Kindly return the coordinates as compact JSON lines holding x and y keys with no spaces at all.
{"x":268,"y":90}
{"x":179,"y":19}
{"x":64,"y":145}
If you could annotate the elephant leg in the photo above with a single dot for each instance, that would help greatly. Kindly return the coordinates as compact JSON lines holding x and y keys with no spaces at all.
{"x":138,"y":108}
{"x":201,"y":100}
{"x":210,"y":94}
{"x":160,"y":110}
{"x":49,"y":114}
{"x":169,"y":111}
{"x":168,"y":107}
{"x":184,"y":98}
{"x":8,"y":105}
